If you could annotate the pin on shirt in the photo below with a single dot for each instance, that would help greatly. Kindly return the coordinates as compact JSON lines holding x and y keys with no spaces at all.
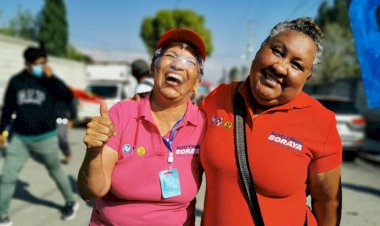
{"x":228,"y":125}
{"x":213,"y":119}
{"x":219,"y":122}
{"x":141,"y":151}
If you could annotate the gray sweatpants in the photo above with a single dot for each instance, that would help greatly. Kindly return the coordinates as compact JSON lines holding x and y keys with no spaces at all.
{"x":18,"y":153}
{"x":63,"y":139}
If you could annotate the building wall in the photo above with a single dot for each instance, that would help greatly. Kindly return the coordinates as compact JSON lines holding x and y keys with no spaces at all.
{"x":11,"y":62}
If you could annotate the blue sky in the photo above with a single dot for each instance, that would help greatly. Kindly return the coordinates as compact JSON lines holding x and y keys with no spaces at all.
{"x":109,"y":29}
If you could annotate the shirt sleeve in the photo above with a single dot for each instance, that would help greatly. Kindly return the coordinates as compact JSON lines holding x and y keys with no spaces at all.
{"x":331,"y":153}
{"x":58,"y":89}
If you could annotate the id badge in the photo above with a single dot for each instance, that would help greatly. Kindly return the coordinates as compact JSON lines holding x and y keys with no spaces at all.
{"x":170,"y":185}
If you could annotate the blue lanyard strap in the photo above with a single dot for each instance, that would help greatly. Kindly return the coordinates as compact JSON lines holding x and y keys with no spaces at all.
{"x":169,"y":142}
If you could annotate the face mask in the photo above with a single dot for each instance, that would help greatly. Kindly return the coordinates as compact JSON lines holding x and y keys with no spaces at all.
{"x":37,"y":71}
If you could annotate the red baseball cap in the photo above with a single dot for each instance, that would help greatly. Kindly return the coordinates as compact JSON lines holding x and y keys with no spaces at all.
{"x":185,"y":36}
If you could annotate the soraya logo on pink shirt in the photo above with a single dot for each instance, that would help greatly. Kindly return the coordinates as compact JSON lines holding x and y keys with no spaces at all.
{"x":187,"y":150}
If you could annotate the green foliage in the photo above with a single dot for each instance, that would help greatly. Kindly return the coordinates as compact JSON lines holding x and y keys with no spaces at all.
{"x":23,"y":25}
{"x":74,"y":54}
{"x":5,"y":31}
{"x":339,"y":57}
{"x":234,"y":74}
{"x":337,"y":13}
{"x":152,"y":28}
{"x":339,"y":60}
{"x":53,"y":34}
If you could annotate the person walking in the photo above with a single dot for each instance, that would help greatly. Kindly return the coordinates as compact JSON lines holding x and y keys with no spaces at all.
{"x":66,"y":114}
{"x":31,"y":95}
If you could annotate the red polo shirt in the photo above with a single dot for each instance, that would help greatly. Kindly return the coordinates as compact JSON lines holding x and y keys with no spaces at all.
{"x":283,"y":144}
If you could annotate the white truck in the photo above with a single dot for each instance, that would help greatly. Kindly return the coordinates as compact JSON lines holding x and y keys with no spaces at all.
{"x":111,"y":81}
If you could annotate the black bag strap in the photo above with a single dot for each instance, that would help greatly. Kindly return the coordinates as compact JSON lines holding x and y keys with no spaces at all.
{"x":242,"y":158}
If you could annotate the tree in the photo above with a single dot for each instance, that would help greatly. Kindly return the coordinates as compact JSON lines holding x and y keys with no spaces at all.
{"x":53,"y":30}
{"x":337,"y":13}
{"x":74,"y":54}
{"x":152,"y":28}
{"x":23,"y":25}
{"x":339,"y":58}
{"x":234,"y":74}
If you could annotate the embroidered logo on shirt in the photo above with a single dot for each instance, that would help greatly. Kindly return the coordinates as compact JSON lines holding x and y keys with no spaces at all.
{"x":187,"y":150}
{"x":286,"y":141}
{"x":141,"y":151}
{"x":127,"y":148}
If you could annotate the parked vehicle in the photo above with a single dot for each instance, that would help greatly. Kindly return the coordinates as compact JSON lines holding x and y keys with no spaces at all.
{"x":111,"y":82}
{"x":350,"y":123}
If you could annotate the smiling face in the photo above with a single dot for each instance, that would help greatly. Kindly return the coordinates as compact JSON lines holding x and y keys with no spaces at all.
{"x":176,"y":73}
{"x":281,"y":68}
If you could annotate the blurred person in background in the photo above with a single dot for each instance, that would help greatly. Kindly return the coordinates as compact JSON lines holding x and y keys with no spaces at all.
{"x":32,"y":95}
{"x":149,"y":172}
{"x":66,"y":114}
{"x":141,"y":71}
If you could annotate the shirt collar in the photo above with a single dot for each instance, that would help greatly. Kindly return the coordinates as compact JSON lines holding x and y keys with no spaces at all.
{"x":191,"y":114}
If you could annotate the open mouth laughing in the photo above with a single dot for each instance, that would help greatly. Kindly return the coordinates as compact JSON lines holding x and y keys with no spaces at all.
{"x":173,"y":78}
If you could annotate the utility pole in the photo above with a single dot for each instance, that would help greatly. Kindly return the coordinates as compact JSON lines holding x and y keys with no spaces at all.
{"x":250,"y":49}
{"x":249,"y":41}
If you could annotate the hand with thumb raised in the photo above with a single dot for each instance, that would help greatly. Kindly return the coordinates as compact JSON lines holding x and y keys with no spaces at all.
{"x":100,"y":129}
{"x":103,"y":109}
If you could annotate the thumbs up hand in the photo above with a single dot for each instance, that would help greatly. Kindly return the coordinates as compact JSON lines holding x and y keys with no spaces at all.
{"x":99,"y":130}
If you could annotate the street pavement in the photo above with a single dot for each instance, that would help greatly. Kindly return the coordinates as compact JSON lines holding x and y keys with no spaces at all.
{"x":37,"y":202}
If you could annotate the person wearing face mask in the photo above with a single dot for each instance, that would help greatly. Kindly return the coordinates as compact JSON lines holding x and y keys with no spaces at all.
{"x":148,"y":172}
{"x":32,"y":95}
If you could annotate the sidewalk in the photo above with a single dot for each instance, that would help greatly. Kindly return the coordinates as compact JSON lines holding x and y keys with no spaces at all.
{"x":37,"y":201}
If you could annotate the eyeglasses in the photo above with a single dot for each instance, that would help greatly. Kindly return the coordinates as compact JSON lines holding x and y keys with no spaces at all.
{"x":184,"y":61}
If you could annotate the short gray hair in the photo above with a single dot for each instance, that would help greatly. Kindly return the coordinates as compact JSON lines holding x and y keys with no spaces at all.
{"x":305,"y":25}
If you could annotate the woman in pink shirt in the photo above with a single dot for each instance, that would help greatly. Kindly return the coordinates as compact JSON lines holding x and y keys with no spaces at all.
{"x":148,"y":172}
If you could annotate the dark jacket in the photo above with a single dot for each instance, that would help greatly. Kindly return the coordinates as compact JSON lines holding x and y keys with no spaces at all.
{"x":33,"y":101}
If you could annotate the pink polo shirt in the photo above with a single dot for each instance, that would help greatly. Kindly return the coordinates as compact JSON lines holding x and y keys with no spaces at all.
{"x":135,"y":197}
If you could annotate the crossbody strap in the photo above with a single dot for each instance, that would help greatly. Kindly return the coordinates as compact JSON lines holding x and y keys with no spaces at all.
{"x":242,"y":158}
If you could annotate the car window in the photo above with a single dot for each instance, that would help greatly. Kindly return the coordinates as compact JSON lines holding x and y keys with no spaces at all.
{"x":108,"y":91}
{"x":123,"y":94}
{"x":342,"y":107}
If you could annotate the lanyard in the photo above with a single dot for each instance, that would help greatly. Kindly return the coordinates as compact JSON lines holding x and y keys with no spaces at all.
{"x":169,"y":142}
